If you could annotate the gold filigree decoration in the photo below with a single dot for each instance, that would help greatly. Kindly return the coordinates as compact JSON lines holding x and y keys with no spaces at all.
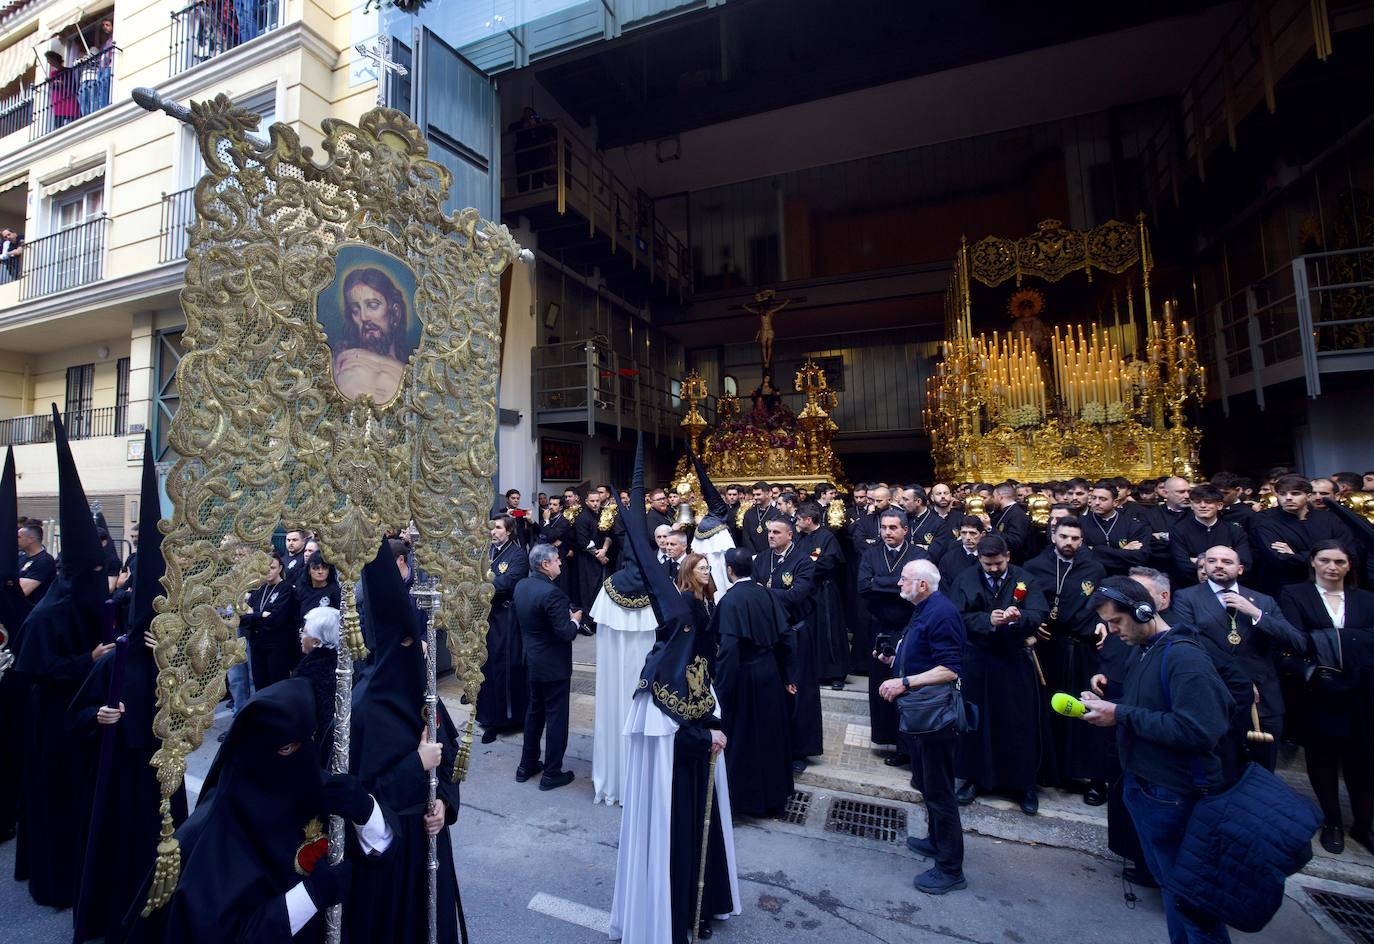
{"x":699,"y":701}
{"x":1052,"y":252}
{"x":264,"y":435}
{"x":629,"y":603}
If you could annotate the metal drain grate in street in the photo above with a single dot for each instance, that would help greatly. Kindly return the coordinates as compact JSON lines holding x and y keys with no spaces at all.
{"x":866,"y":820}
{"x":798,"y":805}
{"x":1354,"y":916}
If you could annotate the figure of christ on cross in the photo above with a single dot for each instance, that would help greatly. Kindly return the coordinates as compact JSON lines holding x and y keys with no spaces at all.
{"x":768,"y":306}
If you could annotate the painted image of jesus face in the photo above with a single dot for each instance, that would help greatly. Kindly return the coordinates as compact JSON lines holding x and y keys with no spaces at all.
{"x":374,"y":348}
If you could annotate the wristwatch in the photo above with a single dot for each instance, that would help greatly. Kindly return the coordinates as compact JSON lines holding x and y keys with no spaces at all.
{"x":906,"y":684}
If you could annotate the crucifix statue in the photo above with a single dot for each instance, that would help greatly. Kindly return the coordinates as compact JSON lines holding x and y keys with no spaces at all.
{"x":768,"y":306}
{"x":380,"y":54}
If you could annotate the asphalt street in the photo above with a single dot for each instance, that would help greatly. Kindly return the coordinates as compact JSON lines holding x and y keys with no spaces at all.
{"x":540,"y":866}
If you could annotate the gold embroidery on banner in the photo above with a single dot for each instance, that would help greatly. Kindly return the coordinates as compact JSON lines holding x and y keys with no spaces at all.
{"x":699,"y":701}
{"x":629,"y":603}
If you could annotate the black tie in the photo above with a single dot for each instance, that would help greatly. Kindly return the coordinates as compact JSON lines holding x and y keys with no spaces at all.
{"x":672,"y":568}
{"x":994,"y":584}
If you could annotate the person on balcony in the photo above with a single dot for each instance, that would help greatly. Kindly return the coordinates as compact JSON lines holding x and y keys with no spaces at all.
{"x":61,"y":91}
{"x":11,"y":251}
{"x":94,"y":89}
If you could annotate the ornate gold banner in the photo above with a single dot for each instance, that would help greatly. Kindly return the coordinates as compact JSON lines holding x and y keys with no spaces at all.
{"x":1052,"y":252}
{"x":342,"y":355}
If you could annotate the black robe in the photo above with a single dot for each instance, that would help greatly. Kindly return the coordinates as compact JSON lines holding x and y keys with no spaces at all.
{"x":54,"y":659}
{"x":258,"y":823}
{"x":589,"y":573}
{"x":754,"y":666}
{"x":691,"y":778}
{"x":274,"y":643}
{"x":790,"y":581}
{"x":1003,"y":752}
{"x":387,"y":900}
{"x":829,"y":635}
{"x":318,"y":668}
{"x":130,"y":818}
{"x":1107,"y":538}
{"x":558,"y":532}
{"x":1276,"y":569}
{"x":1072,"y":750}
{"x":889,"y":614}
{"x":505,"y":690}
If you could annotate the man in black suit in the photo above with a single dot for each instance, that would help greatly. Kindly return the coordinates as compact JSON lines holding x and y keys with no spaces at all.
{"x":756,"y":518}
{"x":658,"y":514}
{"x":1250,"y":627}
{"x":1003,"y":607}
{"x":957,"y":556}
{"x":1010,"y":520}
{"x":1117,"y":540}
{"x":790,"y":575}
{"x":865,"y":532}
{"x":548,"y":625}
{"x":1282,"y":538}
{"x":1171,"y":508}
{"x":1204,"y":528}
{"x":889,"y":612}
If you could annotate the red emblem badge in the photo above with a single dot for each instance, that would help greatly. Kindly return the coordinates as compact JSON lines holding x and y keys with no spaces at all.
{"x":315,"y":848}
{"x":1019,"y":594}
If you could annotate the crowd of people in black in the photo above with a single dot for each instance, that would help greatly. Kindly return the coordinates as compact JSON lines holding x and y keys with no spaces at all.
{"x":1263,"y":579}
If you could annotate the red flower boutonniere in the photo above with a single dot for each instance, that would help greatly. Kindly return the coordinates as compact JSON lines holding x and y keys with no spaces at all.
{"x":1019,"y":594}
{"x":816,"y":554}
{"x":315,"y":848}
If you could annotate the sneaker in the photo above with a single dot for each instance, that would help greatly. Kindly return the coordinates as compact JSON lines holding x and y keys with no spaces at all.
{"x":935,"y":882}
{"x":554,"y":781}
{"x":921,"y":845}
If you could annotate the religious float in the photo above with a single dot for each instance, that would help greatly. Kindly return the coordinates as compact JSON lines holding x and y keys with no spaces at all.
{"x":1084,"y":377}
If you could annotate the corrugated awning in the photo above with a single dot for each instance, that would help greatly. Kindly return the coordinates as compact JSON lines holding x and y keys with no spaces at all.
{"x":14,"y":182}
{"x":15,"y":60}
{"x":74,"y":180}
{"x":61,"y":21}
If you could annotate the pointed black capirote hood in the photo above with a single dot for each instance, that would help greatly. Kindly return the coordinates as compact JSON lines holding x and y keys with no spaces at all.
{"x":628,"y":583}
{"x":663,"y":594}
{"x":150,"y":565}
{"x":9,"y":515}
{"x":716,"y":505}
{"x":81,"y":553}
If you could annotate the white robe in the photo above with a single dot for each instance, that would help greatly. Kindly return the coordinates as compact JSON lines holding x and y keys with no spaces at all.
{"x":640,"y":910}
{"x":623,"y":640}
{"x":714,"y":549}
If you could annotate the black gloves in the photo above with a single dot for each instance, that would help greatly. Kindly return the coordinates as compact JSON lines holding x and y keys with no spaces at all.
{"x":328,"y":884}
{"x":344,"y":795}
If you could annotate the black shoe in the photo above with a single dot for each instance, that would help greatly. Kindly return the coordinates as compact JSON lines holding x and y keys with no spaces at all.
{"x":222,"y":736}
{"x":1333,"y":839}
{"x":799,"y":766}
{"x":703,"y":931}
{"x":1030,"y":803}
{"x":965,"y":794}
{"x":1139,"y":875}
{"x":488,"y":735}
{"x":935,"y":882}
{"x":921,"y":845}
{"x":1364,"y":838}
{"x":554,"y":781}
{"x":897,"y":760}
{"x":1095,"y":795}
{"x":837,"y":686}
{"x":523,"y":773}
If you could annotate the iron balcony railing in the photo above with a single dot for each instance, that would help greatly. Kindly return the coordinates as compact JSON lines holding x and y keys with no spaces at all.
{"x":586,"y":381}
{"x":1319,"y":307}
{"x":204,"y":30}
{"x":178,"y":213}
{"x":66,"y":259}
{"x":16,"y":112}
{"x":80,"y":424}
{"x":72,"y":92}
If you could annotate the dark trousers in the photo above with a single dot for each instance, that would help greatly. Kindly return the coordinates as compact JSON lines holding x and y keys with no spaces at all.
{"x":548,"y":709}
{"x":1161,"y":817}
{"x":272,"y":661}
{"x":1325,"y":764}
{"x":932,"y":765}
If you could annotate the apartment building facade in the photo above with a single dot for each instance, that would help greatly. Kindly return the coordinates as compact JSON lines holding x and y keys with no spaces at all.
{"x":101,"y":193}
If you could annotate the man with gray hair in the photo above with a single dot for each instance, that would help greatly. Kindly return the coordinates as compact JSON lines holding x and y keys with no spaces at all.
{"x":931,"y":653}
{"x":548,"y":624}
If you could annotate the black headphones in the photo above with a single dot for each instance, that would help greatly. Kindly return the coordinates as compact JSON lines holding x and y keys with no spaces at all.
{"x":1140,"y":612}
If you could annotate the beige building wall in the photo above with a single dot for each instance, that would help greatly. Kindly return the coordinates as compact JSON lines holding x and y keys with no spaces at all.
{"x":306,"y":69}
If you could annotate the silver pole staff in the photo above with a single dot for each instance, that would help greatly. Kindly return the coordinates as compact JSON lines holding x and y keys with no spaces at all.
{"x":426,"y":593}
{"x":350,"y":647}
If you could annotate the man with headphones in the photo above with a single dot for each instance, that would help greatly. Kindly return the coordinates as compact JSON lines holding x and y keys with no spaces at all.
{"x":1173,"y":712}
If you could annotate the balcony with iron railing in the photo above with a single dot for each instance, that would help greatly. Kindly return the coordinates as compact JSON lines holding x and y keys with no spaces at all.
{"x":67,"y":259}
{"x":545,"y":170}
{"x":178,"y":213}
{"x":72,"y":92}
{"x":80,"y":424}
{"x":208,"y":28}
{"x":587,"y":383}
{"x":1309,"y":318}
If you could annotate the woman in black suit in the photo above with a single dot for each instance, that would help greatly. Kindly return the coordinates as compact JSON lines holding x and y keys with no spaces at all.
{"x":1335,"y":728}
